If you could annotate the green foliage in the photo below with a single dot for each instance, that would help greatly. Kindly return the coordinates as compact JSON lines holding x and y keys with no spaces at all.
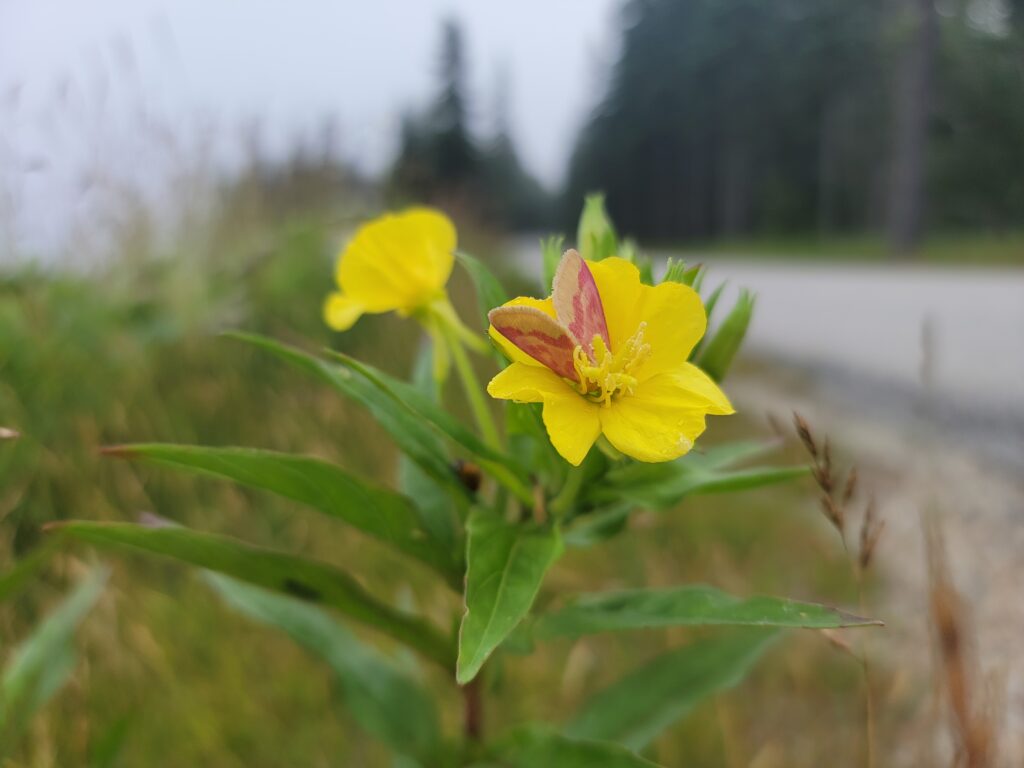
{"x":15,"y":579}
{"x":381,"y":513}
{"x":595,"y":235}
{"x":505,"y":567}
{"x":634,"y":710}
{"x":386,"y":700}
{"x":414,"y":437}
{"x":309,"y":580}
{"x":717,"y":355}
{"x":551,"y":249}
{"x":40,"y":666}
{"x":504,"y":468}
{"x":662,"y":486}
{"x":489,"y":292}
{"x":536,"y":747}
{"x":688,"y":605}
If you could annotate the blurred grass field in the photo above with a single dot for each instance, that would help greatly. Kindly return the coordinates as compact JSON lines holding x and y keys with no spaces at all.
{"x":129,"y":351}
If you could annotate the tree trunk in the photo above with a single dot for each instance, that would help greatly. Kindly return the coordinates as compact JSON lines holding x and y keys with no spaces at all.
{"x":915,"y":72}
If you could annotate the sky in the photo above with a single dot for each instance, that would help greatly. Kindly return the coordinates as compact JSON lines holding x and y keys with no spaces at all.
{"x":80,"y":82}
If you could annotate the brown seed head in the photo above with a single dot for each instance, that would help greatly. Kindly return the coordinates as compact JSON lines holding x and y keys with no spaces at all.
{"x":803,"y":431}
{"x":851,"y":486}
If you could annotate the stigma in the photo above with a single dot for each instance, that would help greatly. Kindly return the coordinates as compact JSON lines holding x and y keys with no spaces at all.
{"x":604,"y":375}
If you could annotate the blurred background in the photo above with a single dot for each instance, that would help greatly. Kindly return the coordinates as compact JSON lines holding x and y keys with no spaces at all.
{"x":168,"y":170}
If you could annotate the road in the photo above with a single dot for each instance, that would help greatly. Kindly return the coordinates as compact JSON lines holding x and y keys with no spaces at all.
{"x":870,"y":320}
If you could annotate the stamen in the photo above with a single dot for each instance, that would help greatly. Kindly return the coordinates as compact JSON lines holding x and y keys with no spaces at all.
{"x":604,"y":376}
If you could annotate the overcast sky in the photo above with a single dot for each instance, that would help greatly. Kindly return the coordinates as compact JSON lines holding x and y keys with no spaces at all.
{"x":74,"y":77}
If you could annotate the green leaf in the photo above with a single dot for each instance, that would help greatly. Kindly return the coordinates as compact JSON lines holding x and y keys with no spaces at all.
{"x":489,"y":291}
{"x":498,"y":464}
{"x":440,"y":512}
{"x":415,"y":437}
{"x":382,"y":697}
{"x":505,"y":566}
{"x":709,"y":310}
{"x":661,"y":486}
{"x":309,"y":580}
{"x":712,"y":302}
{"x":378,"y":512}
{"x":598,"y":525}
{"x":551,"y":249}
{"x":690,"y":605}
{"x":40,"y":666}
{"x":717,"y":355}
{"x":541,"y":748}
{"x":637,"y":708}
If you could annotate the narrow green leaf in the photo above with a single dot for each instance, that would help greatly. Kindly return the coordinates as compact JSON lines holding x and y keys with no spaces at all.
{"x":636,"y":709}
{"x":709,"y":310}
{"x":692,"y":276}
{"x":551,"y":249}
{"x":498,"y":464}
{"x":415,"y":437}
{"x":732,"y":453}
{"x":378,"y":512}
{"x":309,"y":580}
{"x":712,"y":301}
{"x":40,"y":666}
{"x":489,"y":291}
{"x":598,"y":525}
{"x":661,"y":486}
{"x":441,"y":513}
{"x":505,"y":567}
{"x":538,"y":747}
{"x":381,"y":696}
{"x":717,"y":355}
{"x":686,"y":606}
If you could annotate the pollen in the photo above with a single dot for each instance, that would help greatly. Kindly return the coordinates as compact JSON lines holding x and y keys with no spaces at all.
{"x":605,"y":375}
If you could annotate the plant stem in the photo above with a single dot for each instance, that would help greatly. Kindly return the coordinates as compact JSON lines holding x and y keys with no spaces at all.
{"x":473,"y":724}
{"x":474,"y":393}
{"x":565,"y":498}
{"x":869,"y":705}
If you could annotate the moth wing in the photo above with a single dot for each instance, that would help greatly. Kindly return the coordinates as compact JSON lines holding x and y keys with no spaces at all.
{"x":578,"y":302}
{"x":538,"y":335}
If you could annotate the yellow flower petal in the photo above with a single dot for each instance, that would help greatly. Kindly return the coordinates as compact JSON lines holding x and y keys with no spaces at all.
{"x":528,"y":384}
{"x":673,"y":313}
{"x":573,"y":424}
{"x":692,"y":379}
{"x":341,"y":312}
{"x":510,"y":350}
{"x":660,"y":421}
{"x":622,"y":297}
{"x":571,"y":420}
{"x":398,"y":261}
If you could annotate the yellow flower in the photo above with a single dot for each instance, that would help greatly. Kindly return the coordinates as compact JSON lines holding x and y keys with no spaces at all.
{"x":606,"y":354}
{"x":399,"y":262}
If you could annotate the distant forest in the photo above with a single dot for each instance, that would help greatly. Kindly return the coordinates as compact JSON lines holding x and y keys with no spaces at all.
{"x":737,"y":118}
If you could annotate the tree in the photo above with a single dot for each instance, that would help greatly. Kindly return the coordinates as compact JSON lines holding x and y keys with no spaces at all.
{"x":913,"y":103}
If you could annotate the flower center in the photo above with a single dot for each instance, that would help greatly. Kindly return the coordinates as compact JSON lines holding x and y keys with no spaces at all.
{"x":604,"y":375}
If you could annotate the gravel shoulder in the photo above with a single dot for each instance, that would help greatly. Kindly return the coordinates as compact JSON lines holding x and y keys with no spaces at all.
{"x":919,"y":462}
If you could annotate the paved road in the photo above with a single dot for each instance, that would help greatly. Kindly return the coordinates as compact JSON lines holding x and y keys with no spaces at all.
{"x":870,"y":320}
